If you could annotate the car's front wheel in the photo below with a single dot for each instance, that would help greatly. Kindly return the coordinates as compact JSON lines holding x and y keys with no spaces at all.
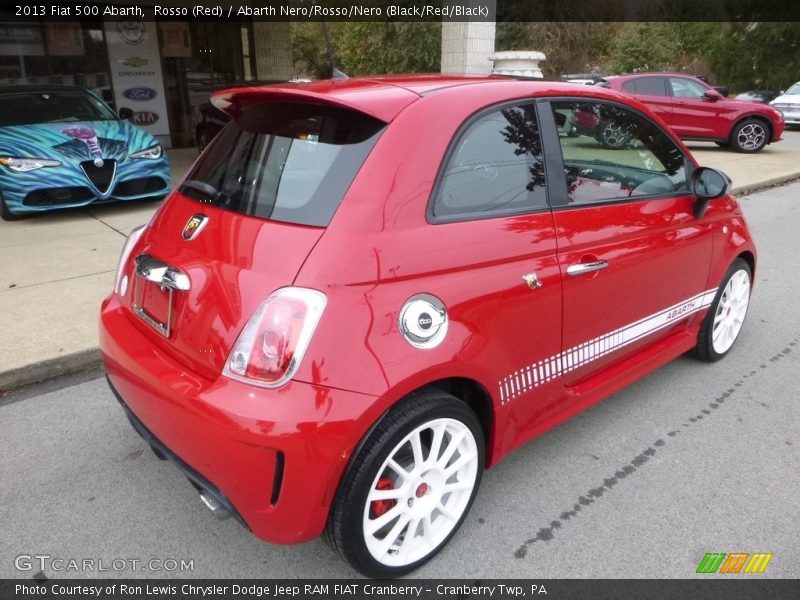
{"x":723,"y":323}
{"x":749,"y":136}
{"x":410,"y":487}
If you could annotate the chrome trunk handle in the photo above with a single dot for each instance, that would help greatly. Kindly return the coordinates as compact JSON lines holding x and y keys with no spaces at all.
{"x":161,"y":273}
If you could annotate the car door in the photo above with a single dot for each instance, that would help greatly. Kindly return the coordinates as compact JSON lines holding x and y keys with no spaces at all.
{"x":651,"y":90}
{"x":634,"y":259}
{"x":491,"y":218}
{"x":693,"y":115}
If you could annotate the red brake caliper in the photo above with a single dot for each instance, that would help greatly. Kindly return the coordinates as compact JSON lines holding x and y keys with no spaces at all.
{"x":380,"y":507}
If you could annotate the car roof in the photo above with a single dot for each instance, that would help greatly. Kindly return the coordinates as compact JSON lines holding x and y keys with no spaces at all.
{"x":38,"y":89}
{"x":384,"y":97}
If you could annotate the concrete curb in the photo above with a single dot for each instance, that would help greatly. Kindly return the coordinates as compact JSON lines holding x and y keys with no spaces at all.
{"x":744,"y":190}
{"x":89,"y":359}
{"x":49,"y":369}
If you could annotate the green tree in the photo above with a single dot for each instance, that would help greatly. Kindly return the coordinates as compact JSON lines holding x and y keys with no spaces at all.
{"x":368,"y":48}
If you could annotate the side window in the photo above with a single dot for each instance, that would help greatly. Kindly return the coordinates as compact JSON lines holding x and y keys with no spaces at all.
{"x":495,"y":167}
{"x":616,"y":154}
{"x":651,"y":86}
{"x":686,"y":88}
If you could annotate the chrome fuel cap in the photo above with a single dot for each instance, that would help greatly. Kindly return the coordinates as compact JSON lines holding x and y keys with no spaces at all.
{"x":423,"y":321}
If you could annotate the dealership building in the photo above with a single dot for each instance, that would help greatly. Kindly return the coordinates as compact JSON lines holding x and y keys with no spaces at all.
{"x":164,"y":70}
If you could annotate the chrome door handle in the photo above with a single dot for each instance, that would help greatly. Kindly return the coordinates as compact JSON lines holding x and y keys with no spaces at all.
{"x":581,"y":268}
{"x":161,"y":273}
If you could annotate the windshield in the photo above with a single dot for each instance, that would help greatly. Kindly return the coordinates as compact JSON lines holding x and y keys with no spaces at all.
{"x":285,"y":162}
{"x":52,"y":107}
{"x":794,"y":90}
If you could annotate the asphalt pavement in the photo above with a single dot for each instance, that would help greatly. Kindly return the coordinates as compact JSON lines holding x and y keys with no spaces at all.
{"x":695,"y":458}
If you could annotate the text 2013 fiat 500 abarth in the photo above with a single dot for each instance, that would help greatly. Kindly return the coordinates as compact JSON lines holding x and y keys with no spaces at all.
{"x":366,"y":292}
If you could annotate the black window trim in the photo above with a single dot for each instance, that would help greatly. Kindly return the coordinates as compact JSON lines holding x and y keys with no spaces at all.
{"x":559,"y":199}
{"x":432,"y":219}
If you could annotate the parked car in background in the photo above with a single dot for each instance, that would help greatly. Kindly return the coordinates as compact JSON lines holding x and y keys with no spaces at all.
{"x":762,"y":96}
{"x":789,"y":104}
{"x":331,"y":327}
{"x":208,"y":120}
{"x":696,"y":111}
{"x":62,"y":147}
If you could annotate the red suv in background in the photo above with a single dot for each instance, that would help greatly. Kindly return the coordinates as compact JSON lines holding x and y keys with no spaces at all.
{"x":696,"y":111}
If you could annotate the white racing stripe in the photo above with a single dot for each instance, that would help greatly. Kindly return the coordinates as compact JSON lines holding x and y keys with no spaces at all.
{"x":542,"y":371}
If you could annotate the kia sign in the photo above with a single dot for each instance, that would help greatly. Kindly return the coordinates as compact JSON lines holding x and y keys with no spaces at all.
{"x":144,"y":117}
{"x":140,"y":94}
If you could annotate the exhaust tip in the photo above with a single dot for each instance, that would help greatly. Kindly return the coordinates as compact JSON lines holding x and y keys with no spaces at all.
{"x":214,"y":505}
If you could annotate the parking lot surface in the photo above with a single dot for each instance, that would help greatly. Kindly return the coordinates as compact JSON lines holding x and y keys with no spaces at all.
{"x":695,"y":458}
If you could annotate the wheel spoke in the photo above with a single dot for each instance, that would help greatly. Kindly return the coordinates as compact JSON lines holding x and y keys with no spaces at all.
{"x":393,"y":534}
{"x":386,"y":518}
{"x":436,"y":443}
{"x":463,"y":460}
{"x":456,"y":486}
{"x":416,"y":447}
{"x":392,"y":494}
{"x":451,"y":448}
{"x":446,"y":512}
{"x":408,"y":539}
{"x":397,"y":468}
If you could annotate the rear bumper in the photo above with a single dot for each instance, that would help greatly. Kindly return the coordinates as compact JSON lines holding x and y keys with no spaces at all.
{"x":273,"y":458}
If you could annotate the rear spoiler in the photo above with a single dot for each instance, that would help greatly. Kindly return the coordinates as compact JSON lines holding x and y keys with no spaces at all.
{"x":382,"y":102}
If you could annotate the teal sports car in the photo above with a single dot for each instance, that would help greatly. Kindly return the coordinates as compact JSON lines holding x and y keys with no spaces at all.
{"x":63,"y":147}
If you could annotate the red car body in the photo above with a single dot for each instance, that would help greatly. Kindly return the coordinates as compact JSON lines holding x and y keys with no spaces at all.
{"x":276,"y":456}
{"x":693,"y":109}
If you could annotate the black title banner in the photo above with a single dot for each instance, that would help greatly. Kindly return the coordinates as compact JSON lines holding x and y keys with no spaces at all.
{"x":404,"y":10}
{"x":701,"y":588}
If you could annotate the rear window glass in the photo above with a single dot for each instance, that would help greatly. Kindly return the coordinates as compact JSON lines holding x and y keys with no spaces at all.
{"x":284,"y":162}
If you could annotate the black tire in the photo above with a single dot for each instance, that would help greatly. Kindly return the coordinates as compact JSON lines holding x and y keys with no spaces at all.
{"x":750,"y":136}
{"x":705,"y":349}
{"x":345,"y":528}
{"x":6,"y":214}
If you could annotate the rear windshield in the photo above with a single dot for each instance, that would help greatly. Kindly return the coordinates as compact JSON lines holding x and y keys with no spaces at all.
{"x":284,"y":162}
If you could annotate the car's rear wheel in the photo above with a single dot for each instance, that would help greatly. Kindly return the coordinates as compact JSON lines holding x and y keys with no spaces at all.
{"x":723,"y":323}
{"x":613,"y":135}
{"x":749,"y":136}
{"x":410,"y":486}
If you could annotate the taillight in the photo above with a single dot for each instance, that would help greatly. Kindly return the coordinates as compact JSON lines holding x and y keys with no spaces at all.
{"x":271,"y":346}
{"x":123,"y":259}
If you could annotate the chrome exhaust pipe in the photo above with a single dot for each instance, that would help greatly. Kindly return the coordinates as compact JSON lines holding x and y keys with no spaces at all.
{"x":214,"y":505}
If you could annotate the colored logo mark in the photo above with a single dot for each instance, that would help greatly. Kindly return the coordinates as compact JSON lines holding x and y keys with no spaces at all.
{"x":736,"y":562}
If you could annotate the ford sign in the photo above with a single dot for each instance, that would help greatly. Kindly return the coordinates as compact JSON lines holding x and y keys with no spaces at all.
{"x":140,"y":94}
{"x":144,"y":117}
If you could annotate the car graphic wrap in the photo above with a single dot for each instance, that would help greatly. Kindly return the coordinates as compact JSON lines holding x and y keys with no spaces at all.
{"x":94,"y":158}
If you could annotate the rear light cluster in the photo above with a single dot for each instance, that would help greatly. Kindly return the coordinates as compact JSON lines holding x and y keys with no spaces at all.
{"x":272,"y":344}
{"x":121,"y":282}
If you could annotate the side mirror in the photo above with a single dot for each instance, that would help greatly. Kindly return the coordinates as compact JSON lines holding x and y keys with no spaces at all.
{"x":712,"y":95}
{"x":723,"y":90}
{"x":125,"y":113}
{"x":707,"y":184}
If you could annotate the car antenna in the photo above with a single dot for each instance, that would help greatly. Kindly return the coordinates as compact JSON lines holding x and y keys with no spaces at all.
{"x":335,"y":72}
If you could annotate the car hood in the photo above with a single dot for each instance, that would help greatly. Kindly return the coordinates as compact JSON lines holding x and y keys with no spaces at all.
{"x":787,"y":99}
{"x":74,"y":142}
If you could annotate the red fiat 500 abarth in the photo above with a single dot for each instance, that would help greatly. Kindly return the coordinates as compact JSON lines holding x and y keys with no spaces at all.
{"x":366,"y":292}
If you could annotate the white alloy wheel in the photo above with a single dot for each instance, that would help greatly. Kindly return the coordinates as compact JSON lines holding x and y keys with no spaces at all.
{"x":420,"y":492}
{"x":731,"y":310}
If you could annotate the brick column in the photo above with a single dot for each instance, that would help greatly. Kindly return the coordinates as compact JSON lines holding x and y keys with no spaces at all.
{"x":272,"y":50}
{"x":466,"y":46}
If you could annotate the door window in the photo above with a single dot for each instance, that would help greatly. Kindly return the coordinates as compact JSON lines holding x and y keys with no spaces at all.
{"x":686,"y":88}
{"x":496,"y":167}
{"x":617,"y":155}
{"x":648,"y":86}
